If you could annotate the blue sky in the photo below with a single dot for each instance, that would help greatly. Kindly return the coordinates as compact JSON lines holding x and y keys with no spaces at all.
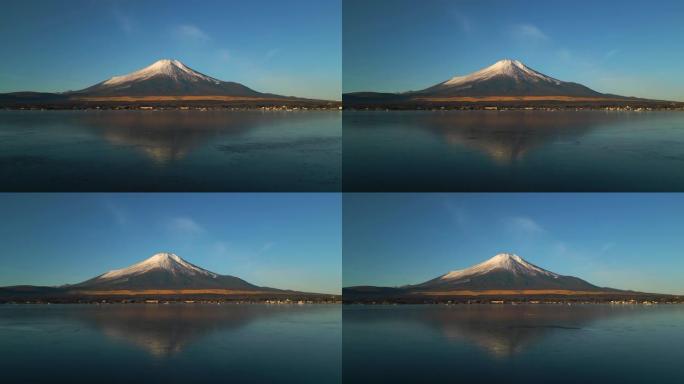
{"x":281,"y":240}
{"x":624,"y":47}
{"x":628,"y":241}
{"x":291,"y":48}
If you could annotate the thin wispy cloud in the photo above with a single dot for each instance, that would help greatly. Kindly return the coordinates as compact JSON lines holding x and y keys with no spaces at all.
{"x":462,"y":21}
{"x":224,"y":55}
{"x":272,"y":53}
{"x":564,"y":54}
{"x":266,"y":247}
{"x":529,"y":33}
{"x":611,"y":53}
{"x":246,"y":256}
{"x":185,"y":225}
{"x":607,"y":247}
{"x":522,"y":225}
{"x":458,"y":214}
{"x":124,"y":22}
{"x":118,"y":214}
{"x":189,"y":32}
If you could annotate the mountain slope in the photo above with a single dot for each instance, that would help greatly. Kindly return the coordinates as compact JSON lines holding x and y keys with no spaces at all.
{"x":164,"y":83}
{"x":504,"y":274}
{"x":506,"y":82}
{"x":164,"y":271}
{"x":167,"y":78}
{"x":507,"y":78}
{"x":164,"y":275}
{"x":504,"y":271}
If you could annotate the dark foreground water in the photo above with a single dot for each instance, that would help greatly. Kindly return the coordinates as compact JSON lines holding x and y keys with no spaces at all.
{"x":513,"y":344}
{"x":513,"y":151}
{"x":140,"y":343}
{"x":170,"y":151}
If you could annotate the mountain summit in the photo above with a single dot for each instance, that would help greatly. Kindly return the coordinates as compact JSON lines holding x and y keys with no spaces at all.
{"x":167,"y":77}
{"x":164,"y":271}
{"x":166,"y":83}
{"x":505,"y":271}
{"x":506,"y":83}
{"x":163,"y":275}
{"x":507,"y":78}
{"x":173,"y":69}
{"x":163,"y":261}
{"x":507,"y":67}
{"x":505,"y":274}
{"x":504,"y":261}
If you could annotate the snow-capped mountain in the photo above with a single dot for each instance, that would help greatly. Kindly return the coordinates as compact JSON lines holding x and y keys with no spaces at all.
{"x":507,"y":78}
{"x":505,"y":261}
{"x":504,"y":274}
{"x":507,"y":82}
{"x":510,"y":68}
{"x":164,"y":271}
{"x":173,"y":69}
{"x":169,"y":262}
{"x":505,"y":271}
{"x":164,"y":83}
{"x":167,"y":77}
{"x":163,"y":275}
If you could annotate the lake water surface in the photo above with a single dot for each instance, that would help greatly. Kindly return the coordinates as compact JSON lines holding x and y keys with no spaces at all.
{"x":176,"y":343}
{"x":513,"y":151}
{"x":170,"y":151}
{"x":513,"y":344}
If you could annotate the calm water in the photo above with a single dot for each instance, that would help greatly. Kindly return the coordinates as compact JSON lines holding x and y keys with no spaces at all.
{"x":170,"y":151}
{"x":513,"y":151}
{"x":170,"y":344}
{"x":511,"y":344}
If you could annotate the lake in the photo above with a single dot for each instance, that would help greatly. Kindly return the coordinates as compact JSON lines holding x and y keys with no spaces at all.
{"x":170,"y":150}
{"x":530,"y":343}
{"x":175,"y":343}
{"x":513,"y":151}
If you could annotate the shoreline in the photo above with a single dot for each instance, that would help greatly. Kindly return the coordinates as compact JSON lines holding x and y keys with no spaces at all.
{"x":180,"y":108}
{"x":504,"y":108}
{"x":186,"y":302}
{"x":515,"y":303}
{"x":269,"y":301}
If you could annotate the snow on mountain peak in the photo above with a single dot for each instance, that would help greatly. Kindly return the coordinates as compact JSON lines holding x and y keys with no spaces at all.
{"x":171,"y":68}
{"x":506,"y":67}
{"x":502,"y":261}
{"x":160,"y":261}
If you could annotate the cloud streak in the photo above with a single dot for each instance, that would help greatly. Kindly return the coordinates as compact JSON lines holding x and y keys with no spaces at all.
{"x":464,"y":22}
{"x":124,"y":22}
{"x":266,"y":247}
{"x":529,"y":33}
{"x":189,"y":32}
{"x":458,"y":214}
{"x":611,"y":53}
{"x":117,"y":213}
{"x":185,"y":225}
{"x":522,"y":225}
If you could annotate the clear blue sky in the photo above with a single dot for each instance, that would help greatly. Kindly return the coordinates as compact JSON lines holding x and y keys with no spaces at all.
{"x":628,"y":241}
{"x":625,"y":47}
{"x":281,"y":240}
{"x":285,"y":47}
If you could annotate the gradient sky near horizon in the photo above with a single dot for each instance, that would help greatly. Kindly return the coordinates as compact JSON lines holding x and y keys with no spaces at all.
{"x":281,"y":240}
{"x":289,"y":48}
{"x":627,"y":241}
{"x":625,"y":47}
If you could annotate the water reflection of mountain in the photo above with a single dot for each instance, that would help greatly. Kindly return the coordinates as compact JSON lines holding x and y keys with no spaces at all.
{"x":165,"y":330}
{"x":508,"y":136}
{"x":500,"y":330}
{"x":506,"y":331}
{"x":165,"y":136}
